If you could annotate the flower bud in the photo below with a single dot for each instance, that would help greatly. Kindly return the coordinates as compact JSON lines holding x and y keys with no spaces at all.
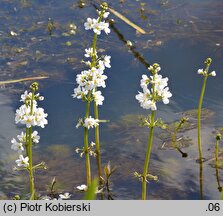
{"x":213,"y":73}
{"x":104,"y":6}
{"x":34,"y":86}
{"x":218,"y":136}
{"x":208,"y":61}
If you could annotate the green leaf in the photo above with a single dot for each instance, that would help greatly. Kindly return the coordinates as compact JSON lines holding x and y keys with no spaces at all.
{"x":90,"y":194}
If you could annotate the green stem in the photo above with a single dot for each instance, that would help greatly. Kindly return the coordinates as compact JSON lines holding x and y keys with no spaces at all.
{"x":97,"y":142}
{"x":30,"y":154}
{"x":96,"y":113}
{"x":147,"y":159}
{"x":201,"y":181}
{"x":88,"y":164}
{"x":216,"y":153}
{"x":32,"y":186}
{"x":199,"y":117}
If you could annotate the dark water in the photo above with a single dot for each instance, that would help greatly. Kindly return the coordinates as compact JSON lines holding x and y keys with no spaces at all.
{"x":181,"y":35}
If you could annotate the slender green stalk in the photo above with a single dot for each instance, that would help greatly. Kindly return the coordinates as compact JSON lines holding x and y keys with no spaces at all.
{"x":201,"y":180}
{"x":199,"y":117}
{"x":88,"y":164}
{"x":30,"y":154}
{"x":216,"y":152}
{"x":32,"y":186}
{"x":147,"y":159}
{"x":218,"y":138}
{"x":96,"y":112}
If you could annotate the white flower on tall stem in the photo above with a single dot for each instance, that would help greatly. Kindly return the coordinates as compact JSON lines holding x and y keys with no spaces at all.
{"x":89,"y":53}
{"x":88,"y":83}
{"x":146,"y":98}
{"x":98,"y":98}
{"x":17,"y":146}
{"x":22,"y":162}
{"x":90,"y":122}
{"x":106,"y":61}
{"x":89,"y":24}
{"x":35,"y":137}
{"x":36,"y":118}
{"x":154,"y":90}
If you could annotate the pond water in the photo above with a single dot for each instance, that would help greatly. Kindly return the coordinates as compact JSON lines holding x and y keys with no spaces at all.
{"x":180,"y":36}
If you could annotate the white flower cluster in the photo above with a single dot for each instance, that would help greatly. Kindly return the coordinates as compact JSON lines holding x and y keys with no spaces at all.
{"x":97,"y":25}
{"x":205,"y":73}
{"x":60,"y":197}
{"x":22,"y":162}
{"x":89,"y":80}
{"x":88,"y":122}
{"x":31,"y":115}
{"x":160,"y":91}
{"x":19,"y":145}
{"x":91,"y":150}
{"x":34,"y":117}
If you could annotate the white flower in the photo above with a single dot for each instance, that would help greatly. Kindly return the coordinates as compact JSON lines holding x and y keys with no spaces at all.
{"x":17,"y":146}
{"x":37,"y":118}
{"x":98,"y":27}
{"x":22,"y":137}
{"x":35,"y":137}
{"x":26,"y":96}
{"x":98,"y":98}
{"x":79,"y":123}
{"x":40,"y":117}
{"x":101,"y":65}
{"x":90,"y":122}
{"x":65,"y":196}
{"x":89,"y":53}
{"x":22,"y":162}
{"x":99,"y":80}
{"x":107,"y":61}
{"x":89,"y":24}
{"x":160,"y":82}
{"x":147,"y":98}
{"x":213,"y":73}
{"x":105,"y":27}
{"x":82,"y":187}
{"x":200,"y":71}
{"x":166,"y":94}
{"x":144,"y":81}
{"x":82,"y":78}
{"x":105,"y":15}
{"x":79,"y":92}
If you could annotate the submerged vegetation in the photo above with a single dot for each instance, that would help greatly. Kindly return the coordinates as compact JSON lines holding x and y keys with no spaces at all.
{"x":49,"y":50}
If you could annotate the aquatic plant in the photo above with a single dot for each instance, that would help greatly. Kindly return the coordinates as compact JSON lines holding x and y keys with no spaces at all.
{"x":148,"y":100}
{"x":179,"y":125}
{"x":30,"y":115}
{"x":218,"y":138}
{"x":88,"y":83}
{"x":205,"y":72}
